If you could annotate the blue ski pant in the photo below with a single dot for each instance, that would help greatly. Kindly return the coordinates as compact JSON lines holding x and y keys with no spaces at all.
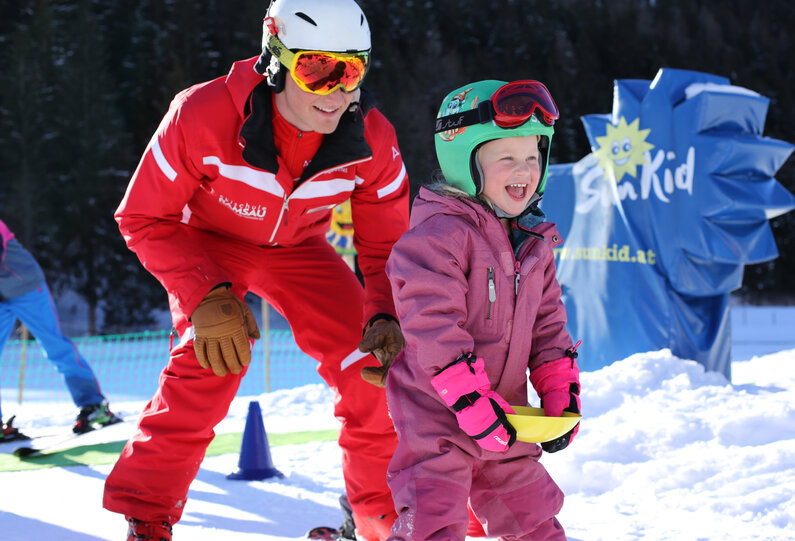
{"x":36,"y":310}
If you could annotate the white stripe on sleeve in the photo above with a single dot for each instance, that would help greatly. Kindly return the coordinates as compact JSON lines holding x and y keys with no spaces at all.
{"x":162,"y":163}
{"x":394,"y":185}
{"x":351,"y":359}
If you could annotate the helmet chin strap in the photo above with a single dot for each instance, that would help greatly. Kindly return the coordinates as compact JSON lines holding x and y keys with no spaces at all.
{"x":269,"y":66}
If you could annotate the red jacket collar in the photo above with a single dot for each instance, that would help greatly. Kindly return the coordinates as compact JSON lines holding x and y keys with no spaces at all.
{"x":252,"y":98}
{"x":240,"y":81}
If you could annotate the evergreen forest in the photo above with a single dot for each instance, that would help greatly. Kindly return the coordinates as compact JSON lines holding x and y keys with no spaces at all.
{"x":84,"y":84}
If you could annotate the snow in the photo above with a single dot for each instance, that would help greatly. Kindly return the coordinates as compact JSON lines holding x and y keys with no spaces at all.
{"x":695,"y":89}
{"x":665,"y":451}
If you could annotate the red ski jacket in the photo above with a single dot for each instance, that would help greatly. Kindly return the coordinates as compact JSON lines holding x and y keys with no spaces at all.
{"x":212,"y":167}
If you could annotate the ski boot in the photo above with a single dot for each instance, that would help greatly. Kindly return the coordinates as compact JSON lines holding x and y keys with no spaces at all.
{"x":151,"y":531}
{"x":94,"y":414}
{"x":347,"y":531}
{"x":348,"y":528}
{"x":365,"y":528}
{"x":8,"y":432}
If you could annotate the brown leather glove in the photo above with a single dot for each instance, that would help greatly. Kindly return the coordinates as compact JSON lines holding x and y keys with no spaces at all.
{"x":383,"y":339}
{"x":223,"y":324}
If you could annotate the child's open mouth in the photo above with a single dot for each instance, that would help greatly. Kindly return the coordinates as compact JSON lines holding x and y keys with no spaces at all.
{"x":516,"y":191}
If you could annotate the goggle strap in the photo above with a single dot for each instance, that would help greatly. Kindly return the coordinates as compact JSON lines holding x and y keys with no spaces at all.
{"x":482,"y":115}
{"x":485,"y":112}
{"x":280,"y":51}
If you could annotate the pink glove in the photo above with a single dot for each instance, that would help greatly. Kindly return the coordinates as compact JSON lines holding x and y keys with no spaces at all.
{"x":558,"y":385}
{"x":464,"y":387}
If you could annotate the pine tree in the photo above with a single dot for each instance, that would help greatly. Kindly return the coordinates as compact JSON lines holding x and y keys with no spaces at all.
{"x":27,"y":109}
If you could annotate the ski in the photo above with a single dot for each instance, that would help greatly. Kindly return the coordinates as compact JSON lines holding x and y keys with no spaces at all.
{"x":35,"y":450}
{"x":45,"y":445}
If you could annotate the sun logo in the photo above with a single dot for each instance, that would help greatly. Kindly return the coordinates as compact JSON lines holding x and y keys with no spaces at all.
{"x":340,"y":233}
{"x":622,"y":149}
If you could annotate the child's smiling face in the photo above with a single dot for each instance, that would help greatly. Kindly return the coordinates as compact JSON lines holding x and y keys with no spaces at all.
{"x":511,"y":171}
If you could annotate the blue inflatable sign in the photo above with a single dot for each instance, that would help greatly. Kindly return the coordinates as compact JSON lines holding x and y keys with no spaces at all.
{"x":663,"y":215}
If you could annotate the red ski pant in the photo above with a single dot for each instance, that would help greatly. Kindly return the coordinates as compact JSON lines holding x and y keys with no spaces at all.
{"x":322,"y":300}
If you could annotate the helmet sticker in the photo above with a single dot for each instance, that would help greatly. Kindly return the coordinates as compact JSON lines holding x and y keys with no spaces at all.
{"x":455,"y":105}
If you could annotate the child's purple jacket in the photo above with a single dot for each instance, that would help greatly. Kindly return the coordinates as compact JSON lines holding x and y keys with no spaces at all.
{"x":458,"y":288}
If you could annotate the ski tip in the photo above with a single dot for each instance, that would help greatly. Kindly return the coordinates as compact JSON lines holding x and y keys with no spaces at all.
{"x":324,"y":533}
{"x":25,"y":452}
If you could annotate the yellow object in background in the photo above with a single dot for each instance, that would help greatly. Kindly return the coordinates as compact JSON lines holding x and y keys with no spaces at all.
{"x":340,"y":233}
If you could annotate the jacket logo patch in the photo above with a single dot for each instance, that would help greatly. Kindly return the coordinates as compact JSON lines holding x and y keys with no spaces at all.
{"x":395,"y":153}
{"x":244,"y":210}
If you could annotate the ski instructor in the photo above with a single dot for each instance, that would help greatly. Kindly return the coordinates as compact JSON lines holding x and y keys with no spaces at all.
{"x":234,"y":193}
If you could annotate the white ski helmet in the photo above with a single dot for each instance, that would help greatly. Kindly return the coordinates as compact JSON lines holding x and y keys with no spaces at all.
{"x":319,"y":25}
{"x":311,"y":25}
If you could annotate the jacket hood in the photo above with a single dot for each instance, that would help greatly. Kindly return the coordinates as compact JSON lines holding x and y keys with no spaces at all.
{"x":441,"y":198}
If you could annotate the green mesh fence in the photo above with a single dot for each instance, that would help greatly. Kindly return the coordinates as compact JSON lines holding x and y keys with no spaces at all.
{"x":128,"y":366}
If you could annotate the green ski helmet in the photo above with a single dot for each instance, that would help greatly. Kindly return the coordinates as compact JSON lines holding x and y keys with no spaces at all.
{"x":467,"y":119}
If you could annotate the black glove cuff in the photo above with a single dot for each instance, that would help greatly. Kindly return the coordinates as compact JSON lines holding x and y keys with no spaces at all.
{"x":572,"y":403}
{"x":468,"y":358}
{"x":380,"y":315}
{"x":558,"y":444}
{"x":227,"y":285}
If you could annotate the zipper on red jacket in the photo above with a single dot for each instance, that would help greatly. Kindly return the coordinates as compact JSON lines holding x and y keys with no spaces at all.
{"x":492,"y":291}
{"x":282,"y":213}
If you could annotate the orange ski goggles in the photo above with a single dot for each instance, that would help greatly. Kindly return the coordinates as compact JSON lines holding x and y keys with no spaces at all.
{"x":322,"y":72}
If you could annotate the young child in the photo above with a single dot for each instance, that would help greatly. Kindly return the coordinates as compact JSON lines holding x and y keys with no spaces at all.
{"x":476,"y":295}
